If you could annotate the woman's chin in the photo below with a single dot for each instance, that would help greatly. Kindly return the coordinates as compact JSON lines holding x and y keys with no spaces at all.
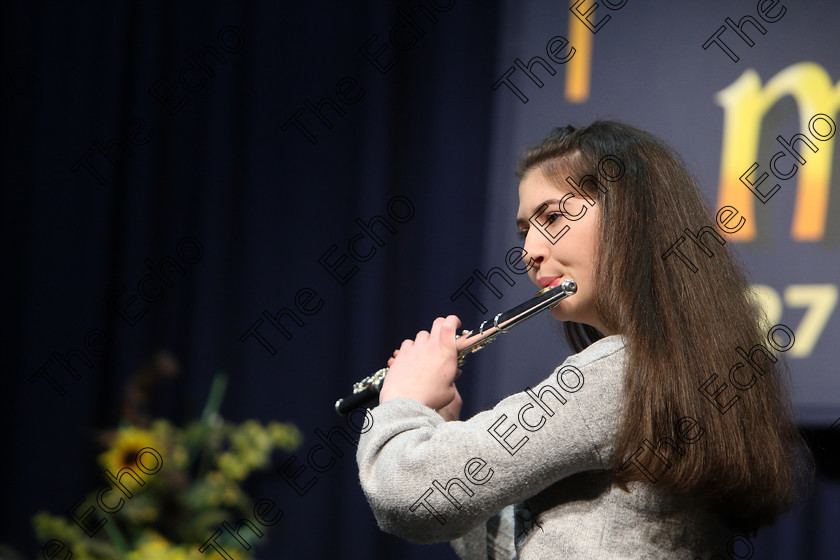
{"x":560,"y":314}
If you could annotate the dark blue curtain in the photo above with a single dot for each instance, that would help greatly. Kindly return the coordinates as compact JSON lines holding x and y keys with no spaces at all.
{"x":177,"y":176}
{"x":150,"y":138}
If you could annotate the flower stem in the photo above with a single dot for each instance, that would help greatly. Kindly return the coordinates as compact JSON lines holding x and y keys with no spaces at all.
{"x":215,"y":398}
{"x":210,"y":416}
{"x":117,"y":538}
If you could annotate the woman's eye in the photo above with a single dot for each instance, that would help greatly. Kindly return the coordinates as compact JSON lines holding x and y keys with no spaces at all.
{"x":550,"y":218}
{"x":553,"y":217}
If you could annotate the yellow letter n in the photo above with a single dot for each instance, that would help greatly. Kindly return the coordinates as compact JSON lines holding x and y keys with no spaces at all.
{"x":745,"y":103}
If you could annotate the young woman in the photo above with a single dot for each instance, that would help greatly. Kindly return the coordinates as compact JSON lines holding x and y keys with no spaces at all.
{"x":668,"y":432}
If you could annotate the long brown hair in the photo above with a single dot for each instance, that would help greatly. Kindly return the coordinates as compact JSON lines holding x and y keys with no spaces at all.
{"x":681,"y":327}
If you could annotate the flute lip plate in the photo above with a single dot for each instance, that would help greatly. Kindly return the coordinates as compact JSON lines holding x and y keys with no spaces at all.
{"x":568,"y":285}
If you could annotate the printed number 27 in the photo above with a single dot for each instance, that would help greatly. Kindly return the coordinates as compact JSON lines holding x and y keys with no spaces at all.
{"x":820,"y":299}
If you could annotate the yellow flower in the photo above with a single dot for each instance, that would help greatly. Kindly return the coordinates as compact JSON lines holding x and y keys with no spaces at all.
{"x":161,"y":428}
{"x":80,"y":552}
{"x":48,"y":526}
{"x":231,"y":466}
{"x":123,"y":451}
{"x":230,"y":495}
{"x":180,"y":457}
{"x":285,"y":435}
{"x":153,"y":546}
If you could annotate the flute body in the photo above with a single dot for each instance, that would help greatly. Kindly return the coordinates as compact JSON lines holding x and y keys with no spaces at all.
{"x":366,"y":391}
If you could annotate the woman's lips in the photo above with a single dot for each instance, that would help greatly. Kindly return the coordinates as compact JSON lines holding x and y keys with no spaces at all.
{"x":550,"y":281}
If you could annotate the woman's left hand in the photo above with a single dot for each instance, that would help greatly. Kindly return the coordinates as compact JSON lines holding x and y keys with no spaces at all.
{"x":452,"y":411}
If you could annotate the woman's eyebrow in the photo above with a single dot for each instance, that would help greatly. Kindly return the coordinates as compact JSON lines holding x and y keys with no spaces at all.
{"x":521,"y":222}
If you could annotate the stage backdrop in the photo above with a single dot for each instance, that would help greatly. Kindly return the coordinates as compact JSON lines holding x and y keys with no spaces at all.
{"x":752,"y":110}
{"x":286,"y":191}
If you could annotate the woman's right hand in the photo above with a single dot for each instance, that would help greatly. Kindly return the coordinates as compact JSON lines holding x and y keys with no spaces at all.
{"x":450,"y":412}
{"x":425,"y":369}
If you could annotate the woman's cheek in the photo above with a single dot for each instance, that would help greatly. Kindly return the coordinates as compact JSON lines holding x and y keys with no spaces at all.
{"x":559,"y":313}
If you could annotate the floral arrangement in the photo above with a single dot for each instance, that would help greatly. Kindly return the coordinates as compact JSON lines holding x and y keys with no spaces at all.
{"x":191,"y":478}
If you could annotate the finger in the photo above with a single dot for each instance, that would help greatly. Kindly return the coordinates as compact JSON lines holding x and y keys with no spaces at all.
{"x":390,"y":362}
{"x":454,"y":406}
{"x":457,"y":374}
{"x":446,"y":330}
{"x":436,"y":326}
{"x":407,"y":343}
{"x":422,"y":336}
{"x":456,"y":319}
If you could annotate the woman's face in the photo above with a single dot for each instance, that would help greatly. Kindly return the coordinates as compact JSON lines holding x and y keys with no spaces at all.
{"x":561,"y":241}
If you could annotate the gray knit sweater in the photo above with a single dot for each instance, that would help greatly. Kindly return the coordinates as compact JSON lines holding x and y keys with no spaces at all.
{"x":530,"y":478}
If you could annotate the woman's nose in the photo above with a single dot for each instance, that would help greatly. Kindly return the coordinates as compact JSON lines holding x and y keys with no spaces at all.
{"x":536,"y":247}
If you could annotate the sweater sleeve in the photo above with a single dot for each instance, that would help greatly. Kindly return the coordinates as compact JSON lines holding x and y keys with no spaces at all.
{"x":493,"y":540}
{"x":428,"y":480}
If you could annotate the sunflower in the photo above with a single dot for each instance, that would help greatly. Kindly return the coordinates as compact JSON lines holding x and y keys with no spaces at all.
{"x":123,"y":451}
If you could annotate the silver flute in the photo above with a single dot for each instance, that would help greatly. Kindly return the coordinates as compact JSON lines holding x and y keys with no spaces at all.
{"x":366,"y":391}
